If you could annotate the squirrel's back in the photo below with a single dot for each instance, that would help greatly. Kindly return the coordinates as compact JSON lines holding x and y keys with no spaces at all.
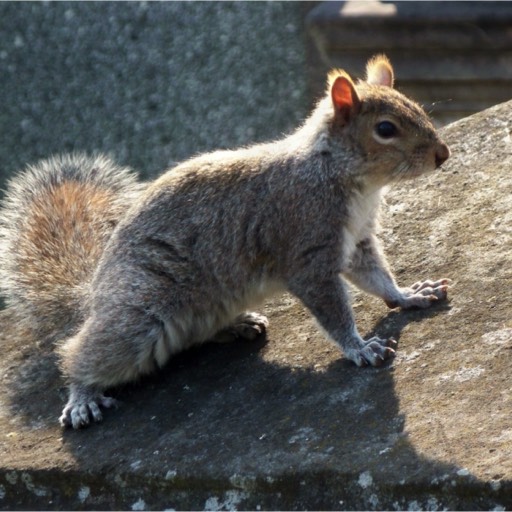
{"x":55,"y":220}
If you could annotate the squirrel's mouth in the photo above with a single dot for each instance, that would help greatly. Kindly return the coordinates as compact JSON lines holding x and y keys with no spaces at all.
{"x":408,"y":171}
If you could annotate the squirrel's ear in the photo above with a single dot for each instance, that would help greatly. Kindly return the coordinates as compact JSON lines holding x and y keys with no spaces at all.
{"x":344,"y":97}
{"x":379,"y":71}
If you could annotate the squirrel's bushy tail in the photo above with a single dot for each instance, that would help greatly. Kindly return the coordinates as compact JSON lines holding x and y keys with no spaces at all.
{"x":55,"y":220}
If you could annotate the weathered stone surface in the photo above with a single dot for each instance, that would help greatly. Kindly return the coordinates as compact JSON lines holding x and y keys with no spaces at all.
{"x":289,"y":423}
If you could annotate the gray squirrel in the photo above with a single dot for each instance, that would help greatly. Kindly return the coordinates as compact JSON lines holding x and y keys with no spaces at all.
{"x":122,"y":275}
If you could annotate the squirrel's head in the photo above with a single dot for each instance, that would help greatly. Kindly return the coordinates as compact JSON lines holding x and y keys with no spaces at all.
{"x":393,"y":133}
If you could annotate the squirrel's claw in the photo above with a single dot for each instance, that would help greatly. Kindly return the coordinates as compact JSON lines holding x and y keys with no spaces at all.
{"x":421,"y":294}
{"x":83,"y":406}
{"x":375,"y":352}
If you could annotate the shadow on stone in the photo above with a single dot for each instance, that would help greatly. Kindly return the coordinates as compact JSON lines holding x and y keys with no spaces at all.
{"x":236,"y":426}
{"x":392,"y":324}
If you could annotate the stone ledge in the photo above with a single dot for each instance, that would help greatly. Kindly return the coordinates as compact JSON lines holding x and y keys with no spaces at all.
{"x":288,"y":423}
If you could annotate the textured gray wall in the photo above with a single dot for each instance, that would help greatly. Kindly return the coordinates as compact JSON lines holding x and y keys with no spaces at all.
{"x":149,"y":83}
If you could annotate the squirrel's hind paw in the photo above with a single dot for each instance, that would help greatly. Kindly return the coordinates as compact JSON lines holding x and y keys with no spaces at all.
{"x":84,"y":406}
{"x":246,"y":326}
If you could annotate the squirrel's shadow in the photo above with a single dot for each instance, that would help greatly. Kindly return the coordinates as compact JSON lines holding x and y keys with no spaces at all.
{"x":37,"y":367}
{"x":237,"y":407}
{"x":392,"y":324}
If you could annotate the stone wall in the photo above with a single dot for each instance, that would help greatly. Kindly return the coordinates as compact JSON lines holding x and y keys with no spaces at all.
{"x":151,"y":83}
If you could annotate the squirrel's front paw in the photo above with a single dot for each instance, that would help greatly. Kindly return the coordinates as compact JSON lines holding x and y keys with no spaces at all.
{"x":421,"y":294}
{"x":83,"y":406}
{"x":375,"y":351}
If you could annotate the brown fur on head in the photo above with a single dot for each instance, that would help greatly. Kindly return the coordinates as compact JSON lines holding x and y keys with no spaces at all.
{"x":388,"y":127}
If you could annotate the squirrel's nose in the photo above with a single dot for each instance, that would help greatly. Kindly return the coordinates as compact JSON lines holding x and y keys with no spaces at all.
{"x":442,"y":154}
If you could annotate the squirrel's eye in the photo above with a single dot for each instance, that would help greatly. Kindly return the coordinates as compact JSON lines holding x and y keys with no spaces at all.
{"x":386,"y":129}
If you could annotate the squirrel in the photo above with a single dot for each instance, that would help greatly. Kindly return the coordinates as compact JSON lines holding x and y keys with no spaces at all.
{"x":122,"y":275}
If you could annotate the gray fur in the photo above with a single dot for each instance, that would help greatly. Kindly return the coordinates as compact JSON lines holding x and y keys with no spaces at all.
{"x":35,"y":244}
{"x":213,"y":237}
